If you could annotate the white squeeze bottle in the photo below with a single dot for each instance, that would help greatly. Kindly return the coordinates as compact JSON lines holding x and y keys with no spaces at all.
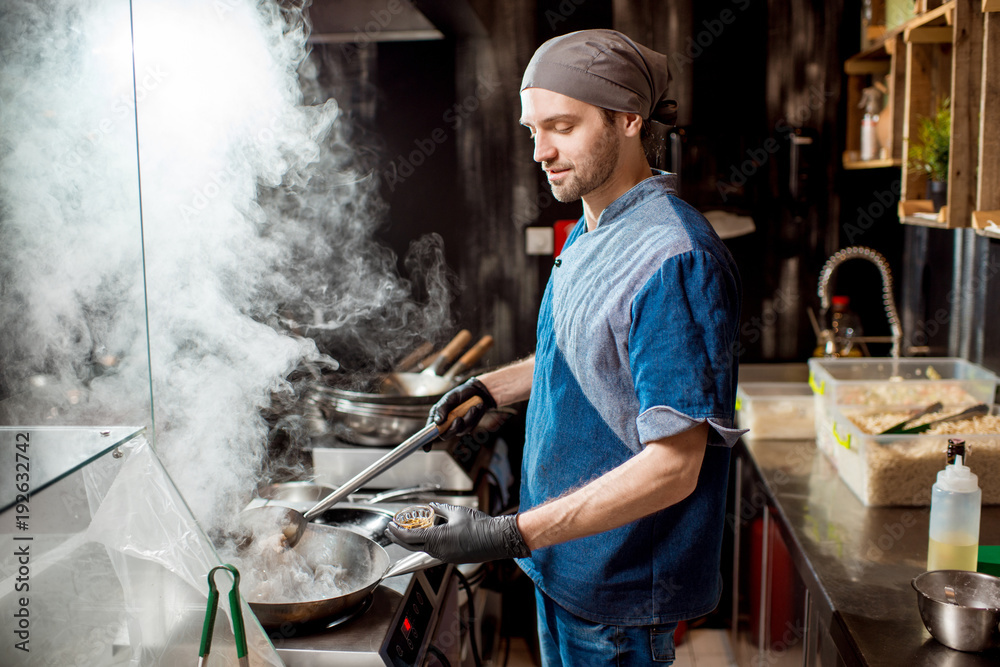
{"x":956,"y":500}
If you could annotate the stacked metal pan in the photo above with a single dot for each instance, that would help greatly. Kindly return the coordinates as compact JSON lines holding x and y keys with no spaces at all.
{"x":398,"y":406}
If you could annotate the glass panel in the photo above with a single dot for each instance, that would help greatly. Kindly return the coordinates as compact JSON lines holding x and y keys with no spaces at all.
{"x":107,"y":566}
{"x":73,"y":345}
{"x":103,"y":563}
{"x":36,"y":458}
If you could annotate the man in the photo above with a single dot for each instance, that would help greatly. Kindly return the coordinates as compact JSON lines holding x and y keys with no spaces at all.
{"x":632,"y":383}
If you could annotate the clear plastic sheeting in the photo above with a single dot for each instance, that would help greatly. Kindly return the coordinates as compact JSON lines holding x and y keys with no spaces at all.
{"x":116,"y":572}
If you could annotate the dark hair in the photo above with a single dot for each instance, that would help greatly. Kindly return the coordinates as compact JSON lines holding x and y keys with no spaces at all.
{"x":652,"y":145}
{"x":609,"y":120}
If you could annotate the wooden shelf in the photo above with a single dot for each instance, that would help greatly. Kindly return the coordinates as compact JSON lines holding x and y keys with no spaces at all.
{"x":921,"y":212}
{"x":924,"y":222}
{"x":872,"y":164}
{"x":876,"y":64}
{"x":988,"y":187}
{"x":943,"y":15}
{"x":948,"y":52}
{"x":886,"y":59}
{"x":987,"y":223}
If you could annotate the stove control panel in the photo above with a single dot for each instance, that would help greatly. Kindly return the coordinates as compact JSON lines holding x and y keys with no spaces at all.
{"x":412,"y":627}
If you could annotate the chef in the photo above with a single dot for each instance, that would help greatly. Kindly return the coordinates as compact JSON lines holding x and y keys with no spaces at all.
{"x":632,"y":384}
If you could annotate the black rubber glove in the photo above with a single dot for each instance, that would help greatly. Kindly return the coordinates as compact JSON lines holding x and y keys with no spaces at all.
{"x":468,"y":536}
{"x":460,"y":394}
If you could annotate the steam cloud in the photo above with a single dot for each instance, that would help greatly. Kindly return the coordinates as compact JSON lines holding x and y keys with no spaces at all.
{"x":256,"y":238}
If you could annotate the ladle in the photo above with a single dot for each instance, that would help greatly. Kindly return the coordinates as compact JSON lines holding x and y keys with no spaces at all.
{"x":292,"y":523}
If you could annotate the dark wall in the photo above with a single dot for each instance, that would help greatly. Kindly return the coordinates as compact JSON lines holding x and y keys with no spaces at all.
{"x":744,"y":74}
{"x":762,"y":104}
{"x":987,"y":334}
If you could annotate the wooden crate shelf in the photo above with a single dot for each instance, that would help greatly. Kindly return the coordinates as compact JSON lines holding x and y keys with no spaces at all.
{"x":988,"y":185}
{"x":885,"y":61}
{"x":875,"y":64}
{"x":871,"y":164}
{"x":987,"y":223}
{"x":950,"y":51}
{"x":921,"y":212}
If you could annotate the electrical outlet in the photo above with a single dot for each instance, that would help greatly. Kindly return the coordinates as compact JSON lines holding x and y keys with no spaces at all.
{"x":539,"y":240}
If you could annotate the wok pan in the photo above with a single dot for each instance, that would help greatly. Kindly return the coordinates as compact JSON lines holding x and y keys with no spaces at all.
{"x":366,"y":564}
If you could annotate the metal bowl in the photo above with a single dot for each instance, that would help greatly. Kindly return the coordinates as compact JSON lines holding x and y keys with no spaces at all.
{"x":969,"y":622}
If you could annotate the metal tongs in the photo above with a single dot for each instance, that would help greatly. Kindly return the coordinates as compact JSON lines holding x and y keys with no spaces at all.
{"x":901,"y":426}
{"x":292,"y":524}
{"x":234,"y":609}
{"x":974,"y":411}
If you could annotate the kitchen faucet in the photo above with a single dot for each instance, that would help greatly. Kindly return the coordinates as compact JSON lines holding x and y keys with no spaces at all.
{"x":860,"y":252}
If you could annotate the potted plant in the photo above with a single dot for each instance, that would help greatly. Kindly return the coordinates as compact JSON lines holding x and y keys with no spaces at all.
{"x":928,"y":153}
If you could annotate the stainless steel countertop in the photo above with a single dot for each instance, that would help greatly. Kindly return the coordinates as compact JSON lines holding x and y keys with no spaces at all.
{"x":857,"y":562}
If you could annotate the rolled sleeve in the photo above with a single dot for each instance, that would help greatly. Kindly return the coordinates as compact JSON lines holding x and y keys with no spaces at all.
{"x":682,"y":349}
{"x":662,"y":422}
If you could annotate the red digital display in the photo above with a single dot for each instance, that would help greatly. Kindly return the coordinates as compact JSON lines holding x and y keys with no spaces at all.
{"x":407,"y":626}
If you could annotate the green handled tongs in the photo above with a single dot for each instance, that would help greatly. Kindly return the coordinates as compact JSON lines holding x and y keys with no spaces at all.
{"x":235,"y":610}
{"x":974,"y":411}
{"x":901,"y":426}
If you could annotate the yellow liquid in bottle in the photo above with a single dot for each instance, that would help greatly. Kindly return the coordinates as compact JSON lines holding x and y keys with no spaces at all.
{"x":951,"y":556}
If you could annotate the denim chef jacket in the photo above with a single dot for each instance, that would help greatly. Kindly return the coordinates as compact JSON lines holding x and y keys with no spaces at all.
{"x":637,"y":338}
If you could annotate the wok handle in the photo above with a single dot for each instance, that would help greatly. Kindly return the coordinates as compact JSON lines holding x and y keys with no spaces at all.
{"x":474,"y":354}
{"x":414,"y":357}
{"x":416,"y":561}
{"x":450,"y":351}
{"x":424,"y":436}
{"x":459,"y":412}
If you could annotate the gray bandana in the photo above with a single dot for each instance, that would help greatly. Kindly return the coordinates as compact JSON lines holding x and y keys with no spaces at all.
{"x":607,"y":69}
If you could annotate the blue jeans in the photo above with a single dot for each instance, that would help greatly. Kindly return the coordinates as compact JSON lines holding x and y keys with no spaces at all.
{"x":566,"y":640}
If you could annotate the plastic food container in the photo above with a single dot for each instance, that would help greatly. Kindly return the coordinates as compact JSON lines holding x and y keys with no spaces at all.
{"x":776,"y":410}
{"x":881,"y":383}
{"x":884,"y":470}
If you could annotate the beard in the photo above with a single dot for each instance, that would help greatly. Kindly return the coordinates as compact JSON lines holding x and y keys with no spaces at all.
{"x":591,"y":173}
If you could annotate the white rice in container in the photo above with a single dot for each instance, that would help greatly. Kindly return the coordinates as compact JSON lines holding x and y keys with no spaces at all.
{"x":900,"y":469}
